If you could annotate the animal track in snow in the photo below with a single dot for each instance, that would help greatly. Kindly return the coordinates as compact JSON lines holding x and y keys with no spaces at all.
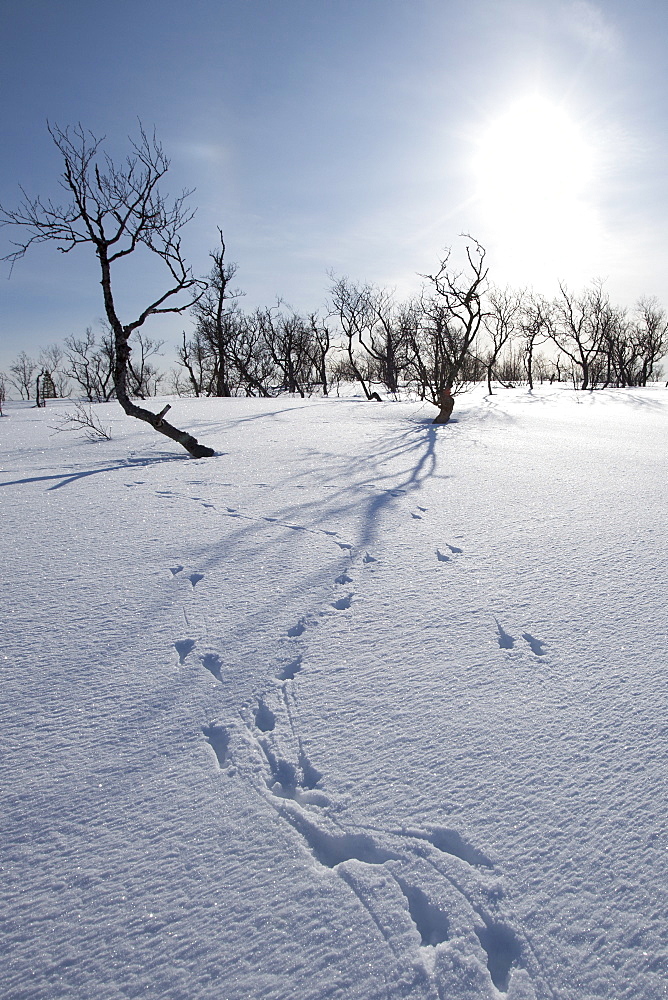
{"x":450,"y":842}
{"x":433,"y":896}
{"x":535,"y":644}
{"x":440,"y":907}
{"x":183,"y":647}
{"x":432,"y":924}
{"x":417,"y":517}
{"x":282,"y":772}
{"x":454,"y":549}
{"x":503,"y":952}
{"x":175,"y":569}
{"x":234,"y":512}
{"x":213,"y":664}
{"x":288,"y":670}
{"x":289,"y":781}
{"x":195,"y":578}
{"x":435,"y":877}
{"x":204,"y":503}
{"x":311,"y":776}
{"x":333,"y":849}
{"x":265,"y":720}
{"x":218,"y":738}
{"x":506,"y":641}
{"x":451,"y":920}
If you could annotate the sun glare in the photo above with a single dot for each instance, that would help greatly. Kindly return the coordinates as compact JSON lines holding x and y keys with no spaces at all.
{"x":534,"y":168}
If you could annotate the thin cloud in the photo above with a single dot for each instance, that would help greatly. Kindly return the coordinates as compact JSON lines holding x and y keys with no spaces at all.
{"x":211,"y":153}
{"x":589,"y":24}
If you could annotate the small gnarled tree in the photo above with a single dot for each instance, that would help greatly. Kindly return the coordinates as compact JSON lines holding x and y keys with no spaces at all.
{"x":453,"y":315}
{"x":117,"y":210}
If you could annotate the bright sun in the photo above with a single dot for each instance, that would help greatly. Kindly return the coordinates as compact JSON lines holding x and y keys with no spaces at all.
{"x":534,"y":168}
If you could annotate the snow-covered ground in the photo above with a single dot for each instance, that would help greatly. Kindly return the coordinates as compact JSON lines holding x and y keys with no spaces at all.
{"x":359,"y":708}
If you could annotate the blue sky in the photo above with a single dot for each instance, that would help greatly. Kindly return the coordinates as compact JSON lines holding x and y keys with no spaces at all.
{"x":353,"y":136}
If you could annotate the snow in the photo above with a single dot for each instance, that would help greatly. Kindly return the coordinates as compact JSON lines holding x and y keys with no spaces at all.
{"x":358,"y":708}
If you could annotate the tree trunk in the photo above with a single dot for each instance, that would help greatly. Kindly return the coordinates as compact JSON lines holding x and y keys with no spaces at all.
{"x":529,"y":365}
{"x":446,"y":402}
{"x":187,"y":441}
{"x":121,"y":366}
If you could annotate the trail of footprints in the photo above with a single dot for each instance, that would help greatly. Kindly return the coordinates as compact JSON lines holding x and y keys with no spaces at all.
{"x":435,"y":899}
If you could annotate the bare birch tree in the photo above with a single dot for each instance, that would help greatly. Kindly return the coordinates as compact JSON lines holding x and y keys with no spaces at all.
{"x":116,"y":211}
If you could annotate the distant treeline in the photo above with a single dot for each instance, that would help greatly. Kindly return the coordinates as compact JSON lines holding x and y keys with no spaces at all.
{"x":458,"y":329}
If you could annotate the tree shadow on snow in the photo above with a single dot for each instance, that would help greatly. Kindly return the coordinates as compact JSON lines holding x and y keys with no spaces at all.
{"x":351,"y":493}
{"x":362,"y":486}
{"x":67,"y":478}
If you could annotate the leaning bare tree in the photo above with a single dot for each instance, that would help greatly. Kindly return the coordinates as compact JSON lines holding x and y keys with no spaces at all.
{"x":117,"y":210}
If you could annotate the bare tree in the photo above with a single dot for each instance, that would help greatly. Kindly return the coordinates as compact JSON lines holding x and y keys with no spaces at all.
{"x":212,"y":312}
{"x":579,"y":325}
{"x":91,"y":365}
{"x":117,"y":210}
{"x":633,"y":346}
{"x":319,"y":346}
{"x":52,"y":360}
{"x":535,"y":330}
{"x":145,"y":377}
{"x":374,"y":324}
{"x":454,"y":313}
{"x":352,"y":305}
{"x":619,"y":353}
{"x":501,"y":323}
{"x":602,"y":343}
{"x":251,"y":358}
{"x":650,"y":332}
{"x":3,"y":391}
{"x":44,"y":388}
{"x":386,"y":338}
{"x":83,"y":419}
{"x":194,"y":355}
{"x":22,"y":375}
{"x":294,"y":349}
